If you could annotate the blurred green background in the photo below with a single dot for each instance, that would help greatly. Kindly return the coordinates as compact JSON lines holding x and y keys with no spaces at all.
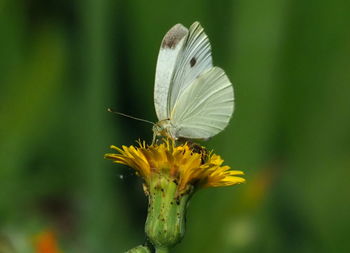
{"x":62,"y":63}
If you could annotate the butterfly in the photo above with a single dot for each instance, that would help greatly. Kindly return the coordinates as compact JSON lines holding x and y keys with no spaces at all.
{"x":193,"y":99}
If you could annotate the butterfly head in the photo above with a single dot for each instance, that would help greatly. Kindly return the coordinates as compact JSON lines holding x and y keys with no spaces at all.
{"x":163,"y":128}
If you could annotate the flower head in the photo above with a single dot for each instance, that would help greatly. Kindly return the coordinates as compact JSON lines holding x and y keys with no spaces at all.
{"x":171,"y":173}
{"x":185,"y":164}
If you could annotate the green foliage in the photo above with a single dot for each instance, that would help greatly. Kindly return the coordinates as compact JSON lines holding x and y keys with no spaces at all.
{"x":63,"y":63}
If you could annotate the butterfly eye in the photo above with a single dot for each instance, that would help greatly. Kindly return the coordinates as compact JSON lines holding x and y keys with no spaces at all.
{"x":157,"y":128}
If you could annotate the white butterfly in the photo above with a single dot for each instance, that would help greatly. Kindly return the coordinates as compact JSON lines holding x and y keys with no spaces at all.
{"x":193,"y":99}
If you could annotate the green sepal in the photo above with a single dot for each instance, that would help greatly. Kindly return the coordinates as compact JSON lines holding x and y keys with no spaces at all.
{"x":165,"y":224}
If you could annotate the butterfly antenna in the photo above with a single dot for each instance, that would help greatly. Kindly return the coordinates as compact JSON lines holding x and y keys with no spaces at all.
{"x":128,"y":116}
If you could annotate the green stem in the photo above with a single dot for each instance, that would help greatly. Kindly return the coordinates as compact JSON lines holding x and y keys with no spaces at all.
{"x":139,"y":249}
{"x":162,"y":250}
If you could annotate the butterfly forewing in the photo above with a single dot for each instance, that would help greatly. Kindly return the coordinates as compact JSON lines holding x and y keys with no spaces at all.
{"x":170,"y":49}
{"x":194,"y":59}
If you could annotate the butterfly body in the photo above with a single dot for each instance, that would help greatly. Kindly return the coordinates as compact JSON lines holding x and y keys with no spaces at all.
{"x":193,"y":99}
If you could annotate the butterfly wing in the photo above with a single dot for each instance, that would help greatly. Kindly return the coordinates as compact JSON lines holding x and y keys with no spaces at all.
{"x":170,"y":49}
{"x":183,"y":56}
{"x":194,"y":59}
{"x":205,"y":107}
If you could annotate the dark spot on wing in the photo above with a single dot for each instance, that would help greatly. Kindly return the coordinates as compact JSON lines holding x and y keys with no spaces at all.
{"x":193,"y":62}
{"x":173,"y":36}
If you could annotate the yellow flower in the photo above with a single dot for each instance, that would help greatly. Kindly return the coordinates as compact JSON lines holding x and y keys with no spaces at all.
{"x":185,"y":165}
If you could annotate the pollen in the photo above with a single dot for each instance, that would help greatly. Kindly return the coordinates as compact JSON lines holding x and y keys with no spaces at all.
{"x":189,"y":168}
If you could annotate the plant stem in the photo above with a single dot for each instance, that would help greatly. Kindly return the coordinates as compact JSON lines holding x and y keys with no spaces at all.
{"x":139,"y":249}
{"x":162,"y":250}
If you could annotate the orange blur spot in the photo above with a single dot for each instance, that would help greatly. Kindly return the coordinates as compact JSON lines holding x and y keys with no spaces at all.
{"x":46,"y":242}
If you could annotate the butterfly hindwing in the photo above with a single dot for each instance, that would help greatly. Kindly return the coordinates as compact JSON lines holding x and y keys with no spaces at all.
{"x":205,"y":107}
